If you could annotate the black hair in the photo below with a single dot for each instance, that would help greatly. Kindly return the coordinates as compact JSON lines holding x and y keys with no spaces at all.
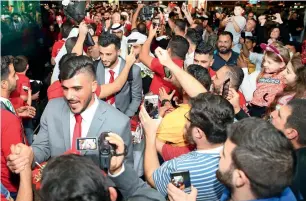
{"x":201,"y":74}
{"x":5,"y":69}
{"x":82,"y":181}
{"x":264,"y":154}
{"x":181,"y":24}
{"x":251,"y":38}
{"x":226,"y":33}
{"x":75,"y":65}
{"x":70,"y":43}
{"x":179,"y":46}
{"x":296,"y":45}
{"x":199,"y":28}
{"x":297,"y":119}
{"x":204,"y":48}
{"x":64,"y":59}
{"x":20,"y":64}
{"x":193,"y":36}
{"x":66,"y":28}
{"x":108,"y":39}
{"x":238,"y":4}
{"x":141,"y":27}
{"x":212,"y":114}
{"x":236,"y":76}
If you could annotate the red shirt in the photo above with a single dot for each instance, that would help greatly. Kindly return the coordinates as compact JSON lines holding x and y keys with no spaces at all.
{"x":22,"y":82}
{"x":11,"y":133}
{"x":169,"y":152}
{"x":57,"y":47}
{"x":55,"y":90}
{"x":99,"y":29}
{"x":158,"y":79}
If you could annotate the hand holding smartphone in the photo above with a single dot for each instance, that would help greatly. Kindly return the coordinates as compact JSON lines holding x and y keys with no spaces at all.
{"x":151,"y":105}
{"x":181,"y":180}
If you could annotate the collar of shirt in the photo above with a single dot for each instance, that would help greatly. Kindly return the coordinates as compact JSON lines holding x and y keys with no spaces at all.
{"x":116,"y":69}
{"x":8,"y":104}
{"x":99,"y":58}
{"x":211,"y":151}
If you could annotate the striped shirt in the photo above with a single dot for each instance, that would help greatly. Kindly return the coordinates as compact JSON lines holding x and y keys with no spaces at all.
{"x":202,"y":166}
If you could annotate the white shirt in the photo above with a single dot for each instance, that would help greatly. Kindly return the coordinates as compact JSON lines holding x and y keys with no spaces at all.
{"x":124,"y":47}
{"x":87,"y":117}
{"x":116,"y":74}
{"x":241,"y":21}
{"x":189,"y":59}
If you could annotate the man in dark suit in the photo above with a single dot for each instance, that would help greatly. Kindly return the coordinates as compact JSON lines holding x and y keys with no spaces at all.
{"x":79,"y":114}
{"x":129,"y":98}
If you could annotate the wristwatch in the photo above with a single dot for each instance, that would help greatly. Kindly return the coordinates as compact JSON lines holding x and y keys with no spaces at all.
{"x":163,"y":102}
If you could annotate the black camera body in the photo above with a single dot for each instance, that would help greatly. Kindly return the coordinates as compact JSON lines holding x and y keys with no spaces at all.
{"x":97,"y":149}
{"x":76,"y":10}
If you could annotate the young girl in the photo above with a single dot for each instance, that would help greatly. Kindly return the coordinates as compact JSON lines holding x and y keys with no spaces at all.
{"x":295,"y":80}
{"x":270,"y":81}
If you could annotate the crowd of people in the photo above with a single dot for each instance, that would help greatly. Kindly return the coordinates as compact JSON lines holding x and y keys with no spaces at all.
{"x":231,"y":86}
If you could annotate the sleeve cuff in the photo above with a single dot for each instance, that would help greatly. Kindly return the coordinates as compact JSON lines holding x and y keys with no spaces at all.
{"x":119,"y":173}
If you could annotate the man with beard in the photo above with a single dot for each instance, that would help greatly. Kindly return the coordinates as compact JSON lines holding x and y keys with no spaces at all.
{"x":256,"y":163}
{"x":111,"y":65}
{"x":78,"y":114}
{"x":206,"y":129}
{"x":225,"y":55}
{"x":11,"y":126}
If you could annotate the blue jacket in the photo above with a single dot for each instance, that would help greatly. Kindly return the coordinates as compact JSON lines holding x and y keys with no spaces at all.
{"x":286,"y":195}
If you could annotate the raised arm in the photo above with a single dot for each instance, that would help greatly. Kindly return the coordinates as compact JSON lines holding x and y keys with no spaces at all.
{"x":187,"y":15}
{"x":144,"y":55}
{"x":78,"y":48}
{"x":135,"y":16}
{"x":112,"y":88}
{"x":187,"y":81}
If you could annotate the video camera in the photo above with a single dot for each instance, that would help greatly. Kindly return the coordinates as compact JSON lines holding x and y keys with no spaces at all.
{"x":98,"y":149}
{"x":76,"y":10}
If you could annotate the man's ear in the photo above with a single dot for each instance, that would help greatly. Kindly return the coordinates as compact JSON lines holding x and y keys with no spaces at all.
{"x":3,"y":84}
{"x":239,"y":178}
{"x":211,"y":62}
{"x":291,"y":133}
{"x":94,"y":86}
{"x":113,"y":194}
{"x":254,"y":44}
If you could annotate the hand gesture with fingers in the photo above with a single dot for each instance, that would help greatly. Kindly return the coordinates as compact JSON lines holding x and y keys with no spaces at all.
{"x":131,"y":58}
{"x":163,"y":95}
{"x":175,"y":194}
{"x":149,"y":125}
{"x":116,"y":161}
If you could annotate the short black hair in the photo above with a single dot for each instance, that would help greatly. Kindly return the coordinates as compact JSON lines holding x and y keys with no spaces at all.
{"x":64,"y":59}
{"x":204,"y":48}
{"x":5,"y":66}
{"x":181,"y":24}
{"x":238,"y":4}
{"x":199,"y":28}
{"x":297,"y":119}
{"x":236,"y":76}
{"x":70,"y":43}
{"x":108,"y":39}
{"x":179,"y":46}
{"x":193,"y":36}
{"x":226,"y":33}
{"x":201,"y":74}
{"x":20,"y":64}
{"x":82,"y":181}
{"x":212,"y":114}
{"x":141,"y":27}
{"x":75,"y":65}
{"x":261,"y":148}
{"x":66,"y":28}
{"x":251,"y":38}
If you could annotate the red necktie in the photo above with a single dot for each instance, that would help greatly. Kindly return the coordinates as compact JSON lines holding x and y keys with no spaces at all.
{"x":77,"y":132}
{"x":111,"y":99}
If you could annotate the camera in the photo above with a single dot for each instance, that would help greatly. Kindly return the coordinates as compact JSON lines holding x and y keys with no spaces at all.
{"x":270,"y":17}
{"x":98,"y":149}
{"x":147,"y":13}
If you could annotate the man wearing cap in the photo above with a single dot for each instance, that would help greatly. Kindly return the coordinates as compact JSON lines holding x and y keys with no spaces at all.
{"x":118,"y":30}
{"x":135,"y":40}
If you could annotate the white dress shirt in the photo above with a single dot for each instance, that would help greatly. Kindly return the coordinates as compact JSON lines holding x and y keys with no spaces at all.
{"x":124,"y":47}
{"x":87,"y":117}
{"x":189,"y":59}
{"x":116,"y":70}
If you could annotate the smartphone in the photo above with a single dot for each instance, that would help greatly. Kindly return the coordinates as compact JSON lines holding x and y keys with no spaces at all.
{"x":181,"y":180}
{"x":151,"y":105}
{"x":225,"y":88}
{"x":139,"y":2}
{"x":167,"y":72}
{"x":87,"y":144}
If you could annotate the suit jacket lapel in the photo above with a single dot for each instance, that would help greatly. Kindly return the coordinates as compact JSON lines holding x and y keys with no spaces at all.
{"x":122,"y":64}
{"x":66,"y":126}
{"x":97,"y":121}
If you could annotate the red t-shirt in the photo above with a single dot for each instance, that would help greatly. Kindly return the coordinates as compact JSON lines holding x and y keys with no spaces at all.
{"x":55,"y":90}
{"x":22,"y":82}
{"x":158,"y":79}
{"x":57,"y":47}
{"x":11,"y":133}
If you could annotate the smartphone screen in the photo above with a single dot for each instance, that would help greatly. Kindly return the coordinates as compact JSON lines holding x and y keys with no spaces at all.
{"x":87,"y":144}
{"x":151,"y":105}
{"x":167,"y":72}
{"x":181,"y":180}
{"x":225,"y":88}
